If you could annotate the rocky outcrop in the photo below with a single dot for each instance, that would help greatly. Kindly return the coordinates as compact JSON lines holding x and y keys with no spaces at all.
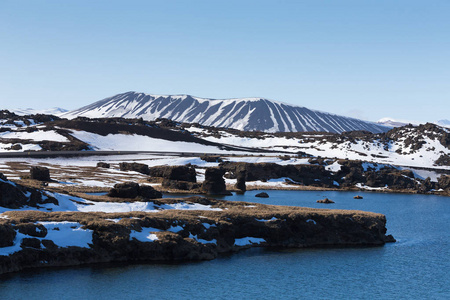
{"x":136,"y":167}
{"x":182,"y":235}
{"x":211,"y":158}
{"x":326,"y":201}
{"x":40,"y":173}
{"x":180,"y":185}
{"x":444,"y":182}
{"x":182,"y":173}
{"x":7,"y":235}
{"x":103,"y":165}
{"x":262,"y":195}
{"x":133,"y":190}
{"x":13,"y":195}
{"x":443,"y":160}
{"x":240,"y":181}
{"x":214,"y":183}
{"x":314,"y":175}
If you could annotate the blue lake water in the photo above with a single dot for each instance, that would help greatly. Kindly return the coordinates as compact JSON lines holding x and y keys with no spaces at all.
{"x":416,"y":267}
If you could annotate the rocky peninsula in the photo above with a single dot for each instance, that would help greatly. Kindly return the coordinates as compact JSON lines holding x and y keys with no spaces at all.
{"x":65,"y":230}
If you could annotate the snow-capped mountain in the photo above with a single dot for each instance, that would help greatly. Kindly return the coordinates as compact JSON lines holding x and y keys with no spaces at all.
{"x":389,"y":122}
{"x":249,"y":114}
{"x":443,"y":123}
{"x":56,"y":111}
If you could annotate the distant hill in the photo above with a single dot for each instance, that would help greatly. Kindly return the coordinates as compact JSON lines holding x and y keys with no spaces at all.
{"x":248,"y":114}
{"x":56,"y":111}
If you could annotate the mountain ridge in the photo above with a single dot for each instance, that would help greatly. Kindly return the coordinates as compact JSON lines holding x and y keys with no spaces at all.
{"x":249,"y":114}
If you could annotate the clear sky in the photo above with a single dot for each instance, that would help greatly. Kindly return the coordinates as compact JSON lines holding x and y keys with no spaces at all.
{"x":365,"y":59}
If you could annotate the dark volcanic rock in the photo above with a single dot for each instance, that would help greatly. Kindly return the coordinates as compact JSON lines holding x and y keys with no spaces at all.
{"x":314,"y":175}
{"x":393,"y":178}
{"x":35,"y":230}
{"x":137,"y":167}
{"x":181,"y":173}
{"x":125,"y":190}
{"x":211,"y":158}
{"x":103,"y":165}
{"x":214,"y":183}
{"x":443,"y":160}
{"x":326,"y":200}
{"x":180,"y":185}
{"x":240,"y":181}
{"x":289,"y":227}
{"x":133,"y":190}
{"x":262,"y":195}
{"x":40,"y":173}
{"x":31,"y":243}
{"x":425,"y":186}
{"x":13,"y":195}
{"x":7,"y":235}
{"x":444,"y":182}
{"x":16,"y":147}
{"x":149,"y":192}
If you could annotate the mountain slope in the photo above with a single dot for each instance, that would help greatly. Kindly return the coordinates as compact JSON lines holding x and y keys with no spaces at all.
{"x":249,"y":114}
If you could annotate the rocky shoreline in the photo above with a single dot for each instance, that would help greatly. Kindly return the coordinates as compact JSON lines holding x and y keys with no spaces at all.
{"x":178,"y":235}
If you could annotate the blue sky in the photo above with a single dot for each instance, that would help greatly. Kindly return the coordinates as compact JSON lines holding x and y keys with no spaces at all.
{"x":365,"y":59}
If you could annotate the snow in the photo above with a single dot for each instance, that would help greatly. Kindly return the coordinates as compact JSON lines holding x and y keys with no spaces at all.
{"x":365,"y":187}
{"x":248,"y":241}
{"x":423,"y":174}
{"x":335,"y":167}
{"x":144,"y":236}
{"x":207,"y":225}
{"x":213,"y":241}
{"x":276,"y":182}
{"x":63,"y":234}
{"x":266,"y":220}
{"x":39,"y":135}
{"x":56,"y":111}
{"x":83,"y":205}
{"x":133,"y":142}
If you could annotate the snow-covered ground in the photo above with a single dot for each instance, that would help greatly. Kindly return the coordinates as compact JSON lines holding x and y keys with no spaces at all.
{"x":134,"y":142}
{"x":39,"y":135}
{"x":63,"y":234}
{"x":71,"y":203}
{"x":373,"y":151}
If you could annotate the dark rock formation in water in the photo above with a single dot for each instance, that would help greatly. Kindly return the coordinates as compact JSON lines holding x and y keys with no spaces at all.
{"x":40,"y":173}
{"x":240,"y":181}
{"x":303,"y":174}
{"x":214,"y":183}
{"x":326,"y":201}
{"x":181,"y":235}
{"x":133,"y":190}
{"x":262,"y":195}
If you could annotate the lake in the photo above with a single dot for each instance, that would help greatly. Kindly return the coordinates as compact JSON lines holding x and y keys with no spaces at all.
{"x":416,"y":267}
